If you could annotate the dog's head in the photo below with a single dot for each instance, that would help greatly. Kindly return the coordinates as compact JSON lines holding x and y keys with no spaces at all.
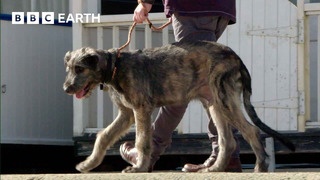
{"x":83,"y":70}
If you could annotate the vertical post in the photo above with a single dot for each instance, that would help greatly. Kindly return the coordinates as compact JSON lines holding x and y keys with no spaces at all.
{"x":318,"y":39}
{"x":49,"y":5}
{"x":26,"y":6}
{"x":270,"y":152}
{"x":94,"y":6}
{"x":43,"y":6}
{"x":307,"y":66}
{"x":80,"y":107}
{"x":100,"y":105}
{"x":165,"y":36}
{"x":301,"y":56}
{"x":66,"y":7}
{"x":115,"y":37}
{"x":115,"y":44}
{"x":56,"y":6}
{"x":148,"y":37}
{"x":34,"y":6}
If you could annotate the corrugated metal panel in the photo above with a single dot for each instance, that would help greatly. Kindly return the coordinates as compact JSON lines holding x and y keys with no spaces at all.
{"x":35,"y":109}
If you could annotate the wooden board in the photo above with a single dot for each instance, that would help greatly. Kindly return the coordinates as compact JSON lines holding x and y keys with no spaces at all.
{"x":197,"y":144}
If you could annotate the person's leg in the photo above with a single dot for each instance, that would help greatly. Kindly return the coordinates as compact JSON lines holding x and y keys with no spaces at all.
{"x":212,"y":131}
{"x":213,"y":25}
{"x":166,"y":122}
{"x":185,"y":29}
{"x":188,"y":28}
{"x":170,"y":116}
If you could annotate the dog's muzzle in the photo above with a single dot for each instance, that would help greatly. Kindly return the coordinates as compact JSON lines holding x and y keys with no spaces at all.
{"x":69,"y":89}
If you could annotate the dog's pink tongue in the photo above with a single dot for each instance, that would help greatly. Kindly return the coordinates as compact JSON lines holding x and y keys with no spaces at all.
{"x":80,"y":94}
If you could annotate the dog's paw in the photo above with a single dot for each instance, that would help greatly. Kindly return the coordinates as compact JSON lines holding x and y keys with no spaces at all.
{"x":82,"y":167}
{"x":203,"y":170}
{"x":129,"y":169}
{"x":88,"y":164}
{"x":132,"y":169}
{"x":210,"y":169}
{"x":261,"y":168}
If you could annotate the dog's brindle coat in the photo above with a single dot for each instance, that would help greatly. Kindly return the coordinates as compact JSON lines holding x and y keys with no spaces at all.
{"x":173,"y":74}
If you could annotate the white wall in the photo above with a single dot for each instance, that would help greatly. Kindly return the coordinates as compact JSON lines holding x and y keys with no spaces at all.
{"x":35,"y":109}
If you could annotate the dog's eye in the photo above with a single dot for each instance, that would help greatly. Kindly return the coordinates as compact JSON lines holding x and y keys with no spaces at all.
{"x":79,"y":69}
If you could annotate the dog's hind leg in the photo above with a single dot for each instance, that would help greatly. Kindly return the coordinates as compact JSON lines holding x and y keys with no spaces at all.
{"x":252,"y":135}
{"x":226,"y":141}
{"x":143,"y":139}
{"x":249,"y":132}
{"x":107,"y":138}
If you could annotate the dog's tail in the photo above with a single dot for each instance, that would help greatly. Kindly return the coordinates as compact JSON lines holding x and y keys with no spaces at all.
{"x":247,"y":91}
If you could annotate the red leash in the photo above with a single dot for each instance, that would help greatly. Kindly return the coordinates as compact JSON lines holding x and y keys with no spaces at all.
{"x":150,"y":25}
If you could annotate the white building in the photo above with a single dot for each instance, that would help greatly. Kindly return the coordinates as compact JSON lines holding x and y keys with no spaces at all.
{"x":271,"y":36}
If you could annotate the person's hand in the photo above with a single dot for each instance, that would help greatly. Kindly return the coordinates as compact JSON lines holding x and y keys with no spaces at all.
{"x":141,"y":12}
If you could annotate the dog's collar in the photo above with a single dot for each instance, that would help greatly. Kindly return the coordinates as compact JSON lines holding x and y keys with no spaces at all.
{"x":108,"y":74}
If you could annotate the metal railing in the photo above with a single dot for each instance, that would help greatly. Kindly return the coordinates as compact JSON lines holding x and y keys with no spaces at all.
{"x":83,"y":121}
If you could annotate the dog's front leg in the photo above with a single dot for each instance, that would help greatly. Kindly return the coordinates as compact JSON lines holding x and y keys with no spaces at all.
{"x":143,"y":140}
{"x":107,"y":138}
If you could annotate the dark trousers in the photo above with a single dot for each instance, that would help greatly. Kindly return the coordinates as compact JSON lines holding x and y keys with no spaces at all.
{"x":188,"y":28}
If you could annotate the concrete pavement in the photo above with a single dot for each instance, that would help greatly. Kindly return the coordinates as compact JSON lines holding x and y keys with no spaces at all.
{"x":170,"y":176}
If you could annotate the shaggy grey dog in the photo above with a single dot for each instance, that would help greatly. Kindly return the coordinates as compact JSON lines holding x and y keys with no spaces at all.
{"x":139,"y":81}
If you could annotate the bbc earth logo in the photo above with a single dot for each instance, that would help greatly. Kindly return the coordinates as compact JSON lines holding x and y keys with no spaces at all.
{"x":48,"y":18}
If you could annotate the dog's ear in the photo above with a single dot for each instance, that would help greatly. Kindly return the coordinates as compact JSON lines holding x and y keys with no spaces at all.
{"x":67,"y":58}
{"x":91,"y":61}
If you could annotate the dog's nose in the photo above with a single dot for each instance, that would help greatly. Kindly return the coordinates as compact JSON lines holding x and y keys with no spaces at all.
{"x":69,"y":89}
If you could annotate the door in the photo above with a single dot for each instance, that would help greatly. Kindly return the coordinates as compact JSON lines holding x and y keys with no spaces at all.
{"x":265,"y":37}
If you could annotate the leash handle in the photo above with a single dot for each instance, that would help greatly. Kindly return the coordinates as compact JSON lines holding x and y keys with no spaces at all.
{"x":151,"y":26}
{"x":159,"y":28}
